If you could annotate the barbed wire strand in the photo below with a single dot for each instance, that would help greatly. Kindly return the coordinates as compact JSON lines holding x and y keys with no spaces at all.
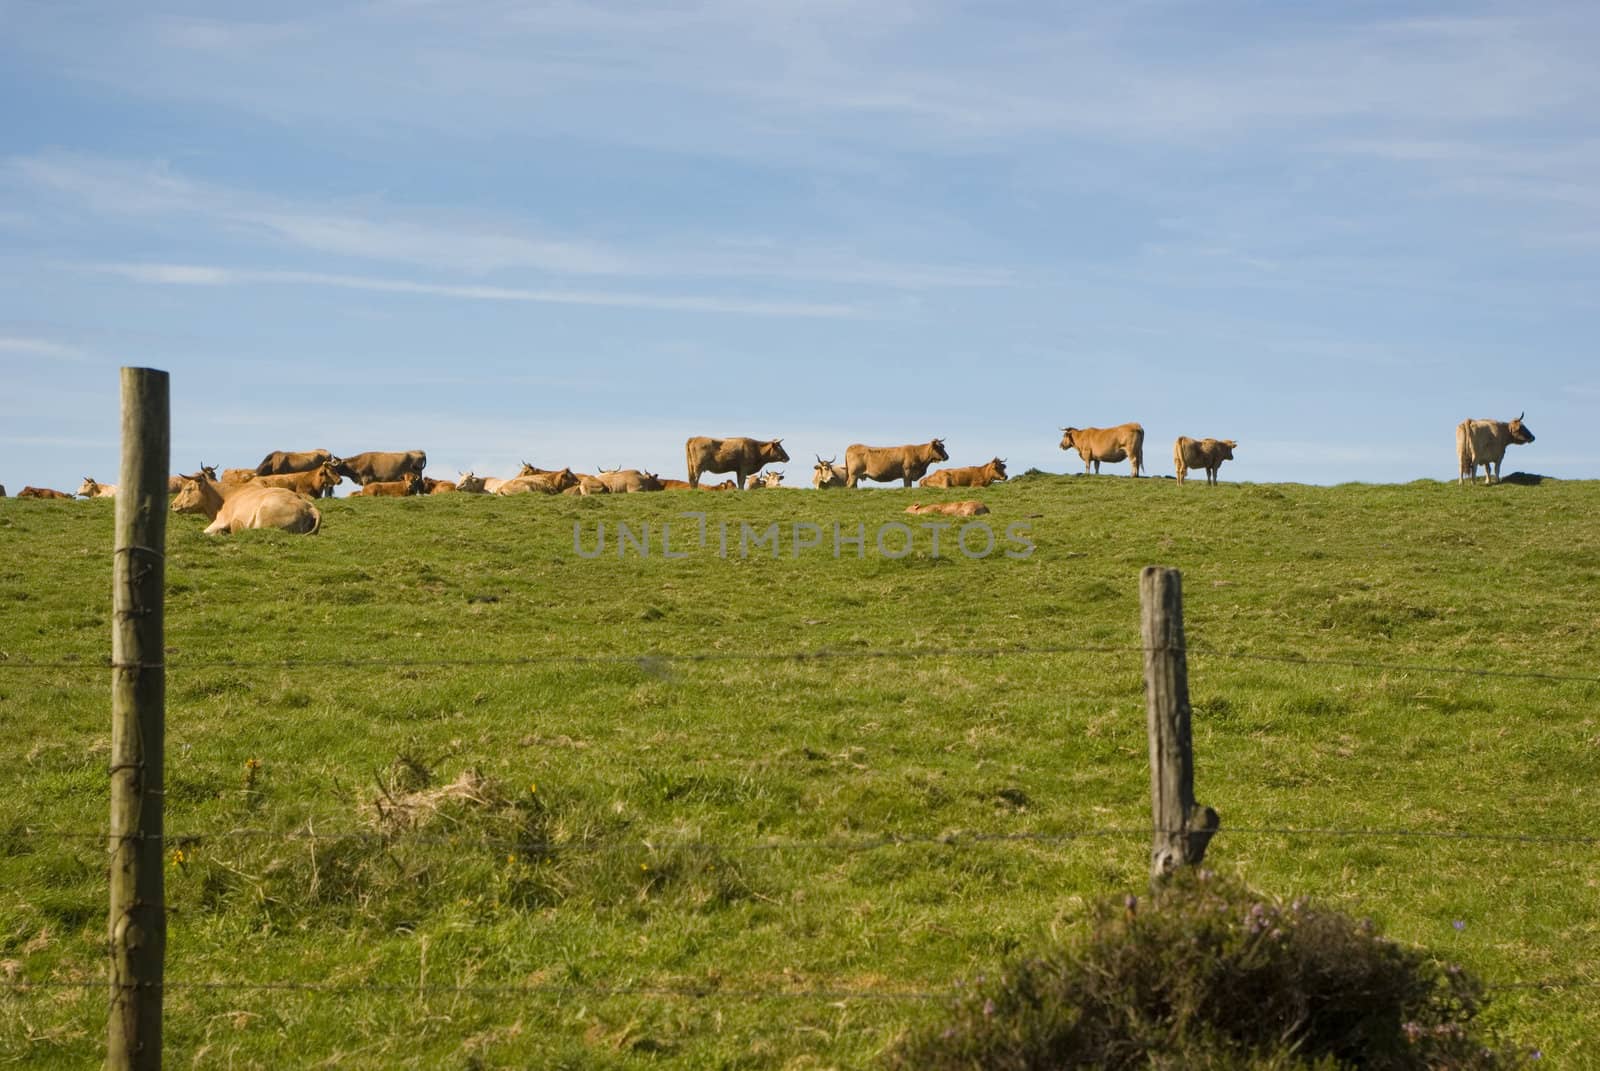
{"x":697,"y":992}
{"x":647,"y":658}
{"x":839,"y":842}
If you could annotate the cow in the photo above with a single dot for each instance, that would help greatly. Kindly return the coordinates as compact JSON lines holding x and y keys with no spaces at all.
{"x":827,"y":473}
{"x":318,"y":483}
{"x":175,"y":483}
{"x":377,"y":466}
{"x":410,"y":484}
{"x":1484,"y":442}
{"x":283,"y":462}
{"x":740,"y":456}
{"x":41,"y":492}
{"x":247,"y":505}
{"x":725,"y":485}
{"x":234,"y":477}
{"x":628,"y":481}
{"x":971,"y":476}
{"x":2,"y":490}
{"x":471,"y":484}
{"x":968,"y":508}
{"x":1125,"y":442}
{"x":544,"y":483}
{"x":90,"y":488}
{"x":1208,"y":454}
{"x":885,"y":463}
{"x":431,"y":486}
{"x":759,"y":480}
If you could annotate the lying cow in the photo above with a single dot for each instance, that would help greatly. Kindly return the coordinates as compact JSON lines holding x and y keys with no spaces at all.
{"x":409,"y":484}
{"x":234,"y":477}
{"x":318,"y":483}
{"x":431,"y":486}
{"x":971,"y":476}
{"x":828,"y":473}
{"x":247,"y":505}
{"x":628,"y":481}
{"x":543,"y":483}
{"x":90,"y":489}
{"x":760,"y":480}
{"x":1121,"y":443}
{"x":967,"y":508}
{"x":886,"y":463}
{"x":175,"y":483}
{"x":1484,"y":442}
{"x":741,"y":456}
{"x":41,"y":492}
{"x":1208,"y":454}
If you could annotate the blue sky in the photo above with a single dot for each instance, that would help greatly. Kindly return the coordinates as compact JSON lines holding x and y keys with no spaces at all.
{"x":578,"y":233}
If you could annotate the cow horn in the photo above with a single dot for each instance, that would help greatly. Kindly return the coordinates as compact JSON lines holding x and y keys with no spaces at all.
{"x":1521,"y":415}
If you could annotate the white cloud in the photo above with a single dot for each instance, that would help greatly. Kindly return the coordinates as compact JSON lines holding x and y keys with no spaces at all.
{"x":40,"y":347}
{"x":201,"y":275}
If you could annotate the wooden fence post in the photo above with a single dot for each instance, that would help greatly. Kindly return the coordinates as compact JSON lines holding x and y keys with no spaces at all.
{"x":1182,"y":827}
{"x":138,"y":920}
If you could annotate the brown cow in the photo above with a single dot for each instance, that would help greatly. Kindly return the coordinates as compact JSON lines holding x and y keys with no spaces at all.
{"x":971,"y":476}
{"x":675,"y":485}
{"x":885,"y":463}
{"x":431,"y":486}
{"x":759,"y":480}
{"x":234,"y":477}
{"x":827,"y":473}
{"x":318,"y":483}
{"x":725,"y":485}
{"x":410,"y":484}
{"x":1208,"y":454}
{"x":41,"y":492}
{"x":247,"y":505}
{"x":740,"y":456}
{"x":283,"y":462}
{"x":1484,"y":442}
{"x":90,"y":488}
{"x":544,"y":483}
{"x":968,"y":508}
{"x":628,"y":481}
{"x":378,"y":466}
{"x":1094,"y":445}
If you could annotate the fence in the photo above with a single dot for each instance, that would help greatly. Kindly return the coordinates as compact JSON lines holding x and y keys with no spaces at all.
{"x":138,"y":842}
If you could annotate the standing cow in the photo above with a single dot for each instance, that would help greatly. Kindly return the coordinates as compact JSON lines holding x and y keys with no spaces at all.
{"x":1484,"y":442}
{"x":380,"y":466}
{"x":1208,"y":454}
{"x":741,"y":456}
{"x":885,"y":463}
{"x":283,"y":462}
{"x":1121,"y":443}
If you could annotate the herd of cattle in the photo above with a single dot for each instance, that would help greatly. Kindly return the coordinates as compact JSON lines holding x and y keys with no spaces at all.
{"x":280,"y":491}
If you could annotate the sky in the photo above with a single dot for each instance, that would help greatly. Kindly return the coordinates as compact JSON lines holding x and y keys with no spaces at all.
{"x":577,"y":233}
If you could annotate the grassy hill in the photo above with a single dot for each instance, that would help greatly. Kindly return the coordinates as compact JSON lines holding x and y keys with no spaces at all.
{"x":485,"y":815}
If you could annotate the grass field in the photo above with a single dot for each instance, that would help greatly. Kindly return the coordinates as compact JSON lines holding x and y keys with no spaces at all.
{"x":463,"y":847}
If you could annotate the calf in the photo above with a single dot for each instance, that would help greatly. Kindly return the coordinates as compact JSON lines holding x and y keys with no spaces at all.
{"x":409,"y":484}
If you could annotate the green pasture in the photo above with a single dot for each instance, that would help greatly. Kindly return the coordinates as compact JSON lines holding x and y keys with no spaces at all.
{"x":441,"y":791}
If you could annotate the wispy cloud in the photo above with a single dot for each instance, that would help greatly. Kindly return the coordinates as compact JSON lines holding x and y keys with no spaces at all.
{"x":206,"y":275}
{"x":475,"y":246}
{"x":42,"y":348}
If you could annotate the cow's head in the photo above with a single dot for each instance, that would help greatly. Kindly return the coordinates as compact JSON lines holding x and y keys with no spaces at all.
{"x":528,"y":470}
{"x":773,"y":451}
{"x":997,"y":466}
{"x":563,"y":479}
{"x":1067,"y":441}
{"x":208,"y":471}
{"x":189,"y":498}
{"x":413,"y":483}
{"x":1519,"y":432}
{"x":938,"y":450}
{"x":470,"y":482}
{"x":88,"y":487}
{"x":649,"y":481}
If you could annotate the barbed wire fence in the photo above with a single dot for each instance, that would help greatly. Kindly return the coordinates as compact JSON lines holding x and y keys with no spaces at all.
{"x":652,"y":661}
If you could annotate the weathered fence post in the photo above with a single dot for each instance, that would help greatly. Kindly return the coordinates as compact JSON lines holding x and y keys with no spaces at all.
{"x":1182,"y":827}
{"x":138,"y":920}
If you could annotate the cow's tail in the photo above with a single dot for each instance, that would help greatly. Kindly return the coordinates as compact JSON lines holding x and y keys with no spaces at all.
{"x":316,"y":521}
{"x":1137,"y":449}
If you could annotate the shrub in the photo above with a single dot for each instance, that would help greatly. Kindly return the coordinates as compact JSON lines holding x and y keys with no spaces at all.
{"x":1211,"y":975}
